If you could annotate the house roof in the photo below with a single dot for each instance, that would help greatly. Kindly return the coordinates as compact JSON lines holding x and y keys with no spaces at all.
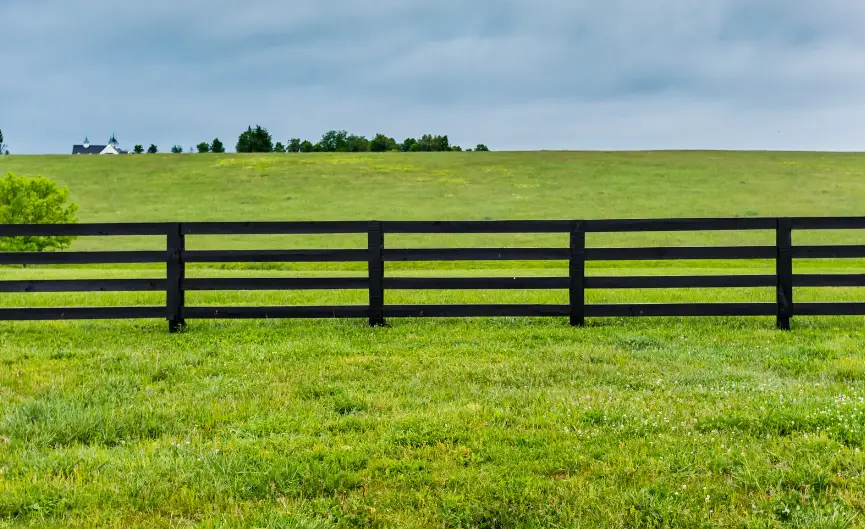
{"x":90,"y":149}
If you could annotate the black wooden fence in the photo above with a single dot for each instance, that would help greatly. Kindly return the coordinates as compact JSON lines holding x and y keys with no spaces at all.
{"x":176,"y":256}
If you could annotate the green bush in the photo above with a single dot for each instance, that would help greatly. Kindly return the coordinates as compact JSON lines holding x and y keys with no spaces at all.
{"x":255,"y":140}
{"x":34,"y":201}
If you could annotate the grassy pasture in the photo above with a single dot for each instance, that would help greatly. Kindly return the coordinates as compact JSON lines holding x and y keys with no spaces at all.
{"x":439,"y":423}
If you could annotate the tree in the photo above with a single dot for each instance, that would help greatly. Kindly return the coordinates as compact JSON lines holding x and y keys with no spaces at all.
{"x":430,"y":143}
{"x":279,"y":147}
{"x":357,"y":143}
{"x":34,"y":201}
{"x":407,"y":144}
{"x":294,"y":145}
{"x":152,"y":149}
{"x":138,"y":149}
{"x":424,"y":143}
{"x":255,"y":140}
{"x":203,"y":147}
{"x":381,"y":143}
{"x":456,"y":148}
{"x":217,"y":146}
{"x":2,"y":146}
{"x":307,"y":146}
{"x":177,"y":149}
{"x":334,"y":141}
{"x":481,"y":148}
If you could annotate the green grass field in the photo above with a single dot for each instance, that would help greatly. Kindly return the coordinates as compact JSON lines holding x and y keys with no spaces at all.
{"x":489,"y":423}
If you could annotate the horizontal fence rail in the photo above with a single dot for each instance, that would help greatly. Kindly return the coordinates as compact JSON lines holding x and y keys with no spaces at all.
{"x":376,"y":255}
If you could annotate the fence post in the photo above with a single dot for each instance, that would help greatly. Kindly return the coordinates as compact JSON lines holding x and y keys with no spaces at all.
{"x":176,"y":273}
{"x":577,"y":274}
{"x":376,"y":274}
{"x":784,"y":272}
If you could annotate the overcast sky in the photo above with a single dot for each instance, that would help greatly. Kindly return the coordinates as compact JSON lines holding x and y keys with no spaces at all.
{"x":514,"y":74}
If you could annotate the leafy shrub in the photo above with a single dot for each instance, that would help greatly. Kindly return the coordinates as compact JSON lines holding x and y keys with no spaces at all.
{"x":34,"y":201}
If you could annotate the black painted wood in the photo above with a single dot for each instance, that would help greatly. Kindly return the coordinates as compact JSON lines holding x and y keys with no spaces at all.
{"x":376,"y":274}
{"x":829,"y":252}
{"x":275,"y":256}
{"x":829,"y":280}
{"x":577,"y":275}
{"x":621,"y":310}
{"x":680,"y":253}
{"x":310,"y":312}
{"x":681,"y":309}
{"x":83,"y":230}
{"x":61,"y":258}
{"x":481,"y":226}
{"x":828,"y":223}
{"x":275,"y":228}
{"x":784,"y":272}
{"x":590,"y":282}
{"x":84,"y":285}
{"x":281,"y":283}
{"x":830,"y":309}
{"x":176,"y":273}
{"x":476,"y":283}
{"x":478,"y":310}
{"x":82,"y":313}
{"x":478,"y":254}
{"x":635,"y":282}
{"x":175,"y":284}
{"x":444,"y":227}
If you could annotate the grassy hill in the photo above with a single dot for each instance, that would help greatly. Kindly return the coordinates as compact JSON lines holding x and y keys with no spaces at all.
{"x":454,"y":185}
{"x":672,"y":422}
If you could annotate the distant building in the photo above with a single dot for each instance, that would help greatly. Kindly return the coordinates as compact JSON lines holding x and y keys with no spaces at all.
{"x":113,"y":147}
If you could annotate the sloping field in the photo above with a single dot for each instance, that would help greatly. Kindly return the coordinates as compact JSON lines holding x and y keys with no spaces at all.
{"x":439,"y":423}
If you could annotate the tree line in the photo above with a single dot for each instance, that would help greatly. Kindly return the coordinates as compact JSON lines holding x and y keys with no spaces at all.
{"x":214,"y":146}
{"x":258,"y":140}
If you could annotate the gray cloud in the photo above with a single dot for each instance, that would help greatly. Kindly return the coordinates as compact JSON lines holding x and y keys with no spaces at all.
{"x":515,"y":74}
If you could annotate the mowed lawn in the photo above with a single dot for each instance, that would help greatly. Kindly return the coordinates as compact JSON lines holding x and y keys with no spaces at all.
{"x":673,"y":422}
